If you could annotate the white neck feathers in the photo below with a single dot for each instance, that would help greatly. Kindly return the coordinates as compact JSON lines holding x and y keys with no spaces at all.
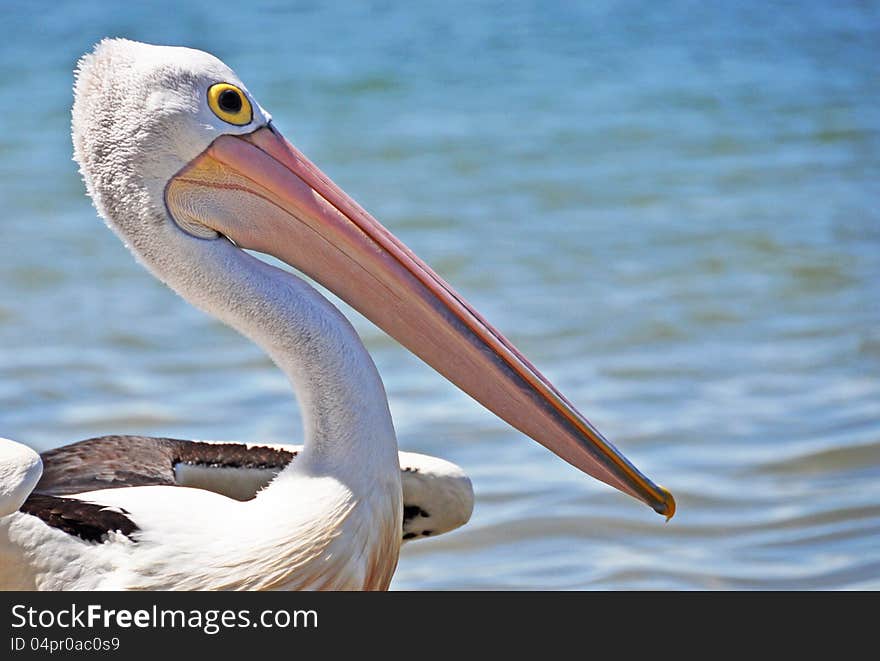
{"x":347,"y":424}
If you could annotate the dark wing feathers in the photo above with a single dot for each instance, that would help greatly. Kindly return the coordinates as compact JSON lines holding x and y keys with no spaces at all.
{"x":111,"y":462}
{"x":88,"y":521}
{"x":107,"y":462}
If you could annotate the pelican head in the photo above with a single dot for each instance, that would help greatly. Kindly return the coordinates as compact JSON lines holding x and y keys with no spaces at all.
{"x":141,"y":113}
{"x":184,"y":163}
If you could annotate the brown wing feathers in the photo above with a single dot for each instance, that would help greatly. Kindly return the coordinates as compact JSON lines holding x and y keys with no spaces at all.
{"x":110,"y":462}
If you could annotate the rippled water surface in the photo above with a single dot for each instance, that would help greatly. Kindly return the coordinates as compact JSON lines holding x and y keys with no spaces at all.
{"x":671,"y":208}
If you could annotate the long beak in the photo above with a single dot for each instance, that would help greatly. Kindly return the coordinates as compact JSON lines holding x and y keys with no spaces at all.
{"x":264,"y":195}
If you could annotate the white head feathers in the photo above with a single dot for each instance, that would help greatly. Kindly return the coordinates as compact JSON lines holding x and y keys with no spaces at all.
{"x":140,"y":113}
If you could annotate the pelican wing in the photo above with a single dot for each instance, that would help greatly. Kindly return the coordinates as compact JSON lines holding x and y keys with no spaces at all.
{"x":86,"y":520}
{"x":110,"y":462}
{"x":20,"y":468}
{"x":437,"y":495}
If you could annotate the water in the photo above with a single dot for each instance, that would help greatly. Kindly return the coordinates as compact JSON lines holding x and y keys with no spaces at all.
{"x":671,"y":208}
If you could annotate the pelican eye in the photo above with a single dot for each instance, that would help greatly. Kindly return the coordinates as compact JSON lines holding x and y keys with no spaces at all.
{"x":229,"y":101}
{"x":230,"y":104}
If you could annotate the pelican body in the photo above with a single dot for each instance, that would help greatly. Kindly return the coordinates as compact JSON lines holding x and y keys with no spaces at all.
{"x":189,"y":170}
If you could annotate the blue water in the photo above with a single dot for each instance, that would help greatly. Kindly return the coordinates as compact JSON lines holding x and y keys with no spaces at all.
{"x":672,"y":208}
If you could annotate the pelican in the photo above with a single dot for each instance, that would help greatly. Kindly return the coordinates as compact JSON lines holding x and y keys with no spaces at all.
{"x":190,"y":172}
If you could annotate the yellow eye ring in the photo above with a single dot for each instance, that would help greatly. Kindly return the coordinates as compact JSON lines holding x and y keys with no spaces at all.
{"x":230,"y":104}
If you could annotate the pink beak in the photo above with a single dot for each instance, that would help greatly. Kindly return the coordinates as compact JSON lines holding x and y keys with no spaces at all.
{"x":263,"y":194}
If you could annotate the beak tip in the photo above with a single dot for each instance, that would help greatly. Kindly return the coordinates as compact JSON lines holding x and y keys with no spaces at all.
{"x":667,"y":507}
